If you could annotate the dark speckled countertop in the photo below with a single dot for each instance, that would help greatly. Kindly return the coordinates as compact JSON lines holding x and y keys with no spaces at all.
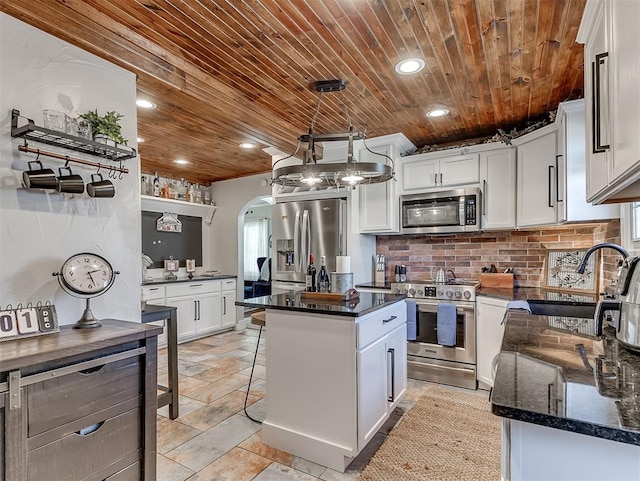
{"x":154,"y":282}
{"x":552,"y":376}
{"x":293,"y":301}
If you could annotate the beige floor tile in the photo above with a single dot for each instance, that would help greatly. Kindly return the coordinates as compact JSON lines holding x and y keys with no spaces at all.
{"x":216,"y":411}
{"x":172,"y":434}
{"x":187,"y":384}
{"x":280,"y":472}
{"x":186,"y":405}
{"x":237,"y":465}
{"x":168,"y":470}
{"x":208,"y":446}
{"x":221,"y":369}
{"x":215,"y":390}
{"x":259,"y":372}
{"x":188,"y":368}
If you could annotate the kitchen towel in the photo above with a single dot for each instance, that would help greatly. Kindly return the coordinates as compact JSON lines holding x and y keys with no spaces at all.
{"x":446,"y":324}
{"x":412,"y":314}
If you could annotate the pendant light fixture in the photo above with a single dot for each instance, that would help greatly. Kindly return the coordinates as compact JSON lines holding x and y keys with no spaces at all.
{"x":310,"y":173}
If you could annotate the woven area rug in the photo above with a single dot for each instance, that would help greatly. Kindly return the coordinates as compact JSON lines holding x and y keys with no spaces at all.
{"x":446,"y":436}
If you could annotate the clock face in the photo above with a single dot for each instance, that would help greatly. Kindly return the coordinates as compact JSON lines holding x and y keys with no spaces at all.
{"x":86,"y":275}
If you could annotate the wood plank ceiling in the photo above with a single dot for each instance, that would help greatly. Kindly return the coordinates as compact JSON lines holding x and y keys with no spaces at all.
{"x":225,"y":72}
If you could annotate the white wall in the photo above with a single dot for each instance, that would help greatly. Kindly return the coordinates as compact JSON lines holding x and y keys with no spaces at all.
{"x":38,"y":231}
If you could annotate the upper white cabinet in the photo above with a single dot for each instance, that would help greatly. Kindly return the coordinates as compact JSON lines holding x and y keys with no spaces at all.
{"x":609,"y":30}
{"x":435,"y":169}
{"x":572,"y":188}
{"x":379,"y":203}
{"x":498,"y":176}
{"x":537,"y":178}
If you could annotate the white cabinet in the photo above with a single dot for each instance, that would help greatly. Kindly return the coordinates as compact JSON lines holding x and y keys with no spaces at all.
{"x":198,"y":307}
{"x":228,"y":303}
{"x":498,"y":175}
{"x":379,"y":203}
{"x":609,"y":30}
{"x":155,"y":295}
{"x":330,"y":394}
{"x":435,"y":169}
{"x":572,"y":188}
{"x":537,"y":180}
{"x":489,"y":331}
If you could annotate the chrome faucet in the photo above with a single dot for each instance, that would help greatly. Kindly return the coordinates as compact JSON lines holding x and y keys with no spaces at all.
{"x":611,"y":245}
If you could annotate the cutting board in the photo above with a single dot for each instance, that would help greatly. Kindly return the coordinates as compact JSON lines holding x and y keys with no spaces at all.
{"x":496,"y":280}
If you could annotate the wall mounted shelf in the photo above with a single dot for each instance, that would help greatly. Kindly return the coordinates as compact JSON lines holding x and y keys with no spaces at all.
{"x":35,"y":133}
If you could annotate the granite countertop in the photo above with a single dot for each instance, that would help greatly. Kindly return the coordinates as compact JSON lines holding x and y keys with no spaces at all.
{"x":293,"y":301}
{"x":153,"y":282}
{"x":550,"y":375}
{"x":535,"y":293}
{"x":373,"y":285}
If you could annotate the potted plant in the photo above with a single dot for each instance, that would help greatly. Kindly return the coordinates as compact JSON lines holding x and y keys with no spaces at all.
{"x":105,"y":127}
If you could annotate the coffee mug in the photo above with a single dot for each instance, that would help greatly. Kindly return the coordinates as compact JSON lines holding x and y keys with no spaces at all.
{"x":39,"y":178}
{"x":100,"y":188}
{"x":70,"y":183}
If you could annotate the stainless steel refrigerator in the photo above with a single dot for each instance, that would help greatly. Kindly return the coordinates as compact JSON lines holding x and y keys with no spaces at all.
{"x":315,"y":227}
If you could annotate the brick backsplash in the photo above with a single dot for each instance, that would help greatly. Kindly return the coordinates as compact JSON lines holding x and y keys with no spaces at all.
{"x":525,"y":250}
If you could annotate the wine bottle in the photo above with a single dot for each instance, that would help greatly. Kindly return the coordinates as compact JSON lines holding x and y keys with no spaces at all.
{"x":310,"y":281}
{"x":323,"y":276}
{"x":156,"y":185}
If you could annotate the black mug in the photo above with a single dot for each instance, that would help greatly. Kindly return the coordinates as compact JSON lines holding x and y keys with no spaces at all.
{"x":101,"y":187}
{"x":39,"y":178}
{"x":70,"y":183}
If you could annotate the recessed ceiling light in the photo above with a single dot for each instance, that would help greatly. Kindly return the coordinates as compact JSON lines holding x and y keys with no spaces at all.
{"x":247,"y":145}
{"x":437,"y":112}
{"x":409,"y":66}
{"x":140,"y":140}
{"x":145,"y":104}
{"x":181,"y":161}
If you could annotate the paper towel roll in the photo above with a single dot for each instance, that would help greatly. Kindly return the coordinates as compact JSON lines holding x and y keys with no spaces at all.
{"x":343,"y":264}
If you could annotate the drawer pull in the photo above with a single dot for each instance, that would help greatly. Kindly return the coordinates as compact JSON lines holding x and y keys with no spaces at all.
{"x":195,"y":285}
{"x":384,"y":321}
{"x":154,"y":289}
{"x":91,"y":370}
{"x":89,"y":429}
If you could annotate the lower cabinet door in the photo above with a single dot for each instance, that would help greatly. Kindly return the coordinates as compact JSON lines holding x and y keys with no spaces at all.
{"x":228,"y":308}
{"x":208,"y":313}
{"x":396,"y":351}
{"x":186,"y":314}
{"x":372,"y":389}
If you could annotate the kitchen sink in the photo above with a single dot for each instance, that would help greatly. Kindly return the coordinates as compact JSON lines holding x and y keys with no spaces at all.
{"x":569,"y":309}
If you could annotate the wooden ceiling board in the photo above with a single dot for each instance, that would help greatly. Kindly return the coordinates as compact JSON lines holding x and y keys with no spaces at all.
{"x":224,"y":71}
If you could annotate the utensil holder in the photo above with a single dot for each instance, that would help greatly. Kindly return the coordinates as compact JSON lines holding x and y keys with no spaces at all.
{"x":341,"y":282}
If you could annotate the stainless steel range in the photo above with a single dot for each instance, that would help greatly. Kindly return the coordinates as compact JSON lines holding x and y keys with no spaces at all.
{"x":427,"y":359}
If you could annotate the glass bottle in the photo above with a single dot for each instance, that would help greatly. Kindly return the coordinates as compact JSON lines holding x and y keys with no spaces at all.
{"x":198,"y":194}
{"x":323,"y":276}
{"x":143,"y":185}
{"x":181,"y":190}
{"x":191,"y":194}
{"x":172,"y":190}
{"x":310,"y":280}
{"x":156,"y":185}
{"x":206,"y":195}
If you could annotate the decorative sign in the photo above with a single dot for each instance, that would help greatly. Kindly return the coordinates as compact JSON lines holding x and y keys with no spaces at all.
{"x":561,"y":270}
{"x":169,"y":222}
{"x":28,"y":321}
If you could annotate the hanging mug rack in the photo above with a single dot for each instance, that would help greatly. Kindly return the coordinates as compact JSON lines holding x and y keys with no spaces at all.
{"x":66,"y":158}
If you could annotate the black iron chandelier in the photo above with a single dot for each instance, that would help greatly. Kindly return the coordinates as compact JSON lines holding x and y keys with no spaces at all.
{"x":313,"y":174}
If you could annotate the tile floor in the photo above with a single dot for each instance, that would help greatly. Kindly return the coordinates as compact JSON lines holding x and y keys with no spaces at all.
{"x":212,"y":439}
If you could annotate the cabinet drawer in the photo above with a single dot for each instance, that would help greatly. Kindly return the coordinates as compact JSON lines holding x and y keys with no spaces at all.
{"x":228,"y":284}
{"x":150,"y":293}
{"x":58,"y":401}
{"x":380,"y":323}
{"x":76,"y":456}
{"x":192,"y":288}
{"x":130,"y":473}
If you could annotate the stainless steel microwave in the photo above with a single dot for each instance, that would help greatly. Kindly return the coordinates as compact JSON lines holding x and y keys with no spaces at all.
{"x":441,"y":212}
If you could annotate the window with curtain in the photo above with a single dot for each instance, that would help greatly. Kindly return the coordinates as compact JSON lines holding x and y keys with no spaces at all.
{"x":256,"y":244}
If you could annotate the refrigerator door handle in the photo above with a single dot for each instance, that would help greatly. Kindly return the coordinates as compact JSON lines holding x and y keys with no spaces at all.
{"x":296,"y":244}
{"x":306,"y":232}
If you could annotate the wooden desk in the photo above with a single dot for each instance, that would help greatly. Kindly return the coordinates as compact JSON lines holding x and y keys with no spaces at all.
{"x":169,"y":395}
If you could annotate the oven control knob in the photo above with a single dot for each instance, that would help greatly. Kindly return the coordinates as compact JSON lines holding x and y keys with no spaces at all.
{"x":441,"y":293}
{"x":449,"y":294}
{"x":412,"y":292}
{"x":458,"y":294}
{"x":467,"y":295}
{"x":420,"y":293}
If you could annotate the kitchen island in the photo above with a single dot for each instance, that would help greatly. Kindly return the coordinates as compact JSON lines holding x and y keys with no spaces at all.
{"x":335,"y":372}
{"x":568,"y":397}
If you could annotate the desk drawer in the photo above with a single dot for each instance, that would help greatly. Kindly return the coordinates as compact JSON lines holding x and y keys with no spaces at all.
{"x":130,"y":473}
{"x":61,"y":400}
{"x":76,"y":456}
{"x":375,"y":325}
{"x":192,"y":288}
